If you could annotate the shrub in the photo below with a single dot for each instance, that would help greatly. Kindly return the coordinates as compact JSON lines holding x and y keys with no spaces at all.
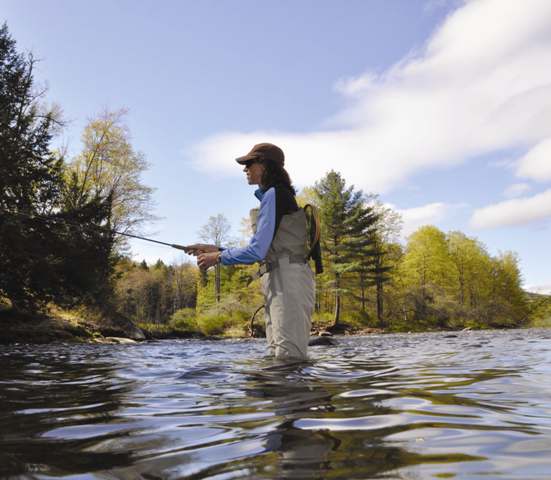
{"x":213,"y":324}
{"x":323,"y":318}
{"x":155,"y":330}
{"x":184,"y":319}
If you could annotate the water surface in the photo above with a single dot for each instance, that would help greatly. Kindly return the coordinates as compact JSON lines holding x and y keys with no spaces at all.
{"x":470,"y":405}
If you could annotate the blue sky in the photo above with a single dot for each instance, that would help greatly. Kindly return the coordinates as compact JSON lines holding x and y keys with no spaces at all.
{"x":441,"y":107}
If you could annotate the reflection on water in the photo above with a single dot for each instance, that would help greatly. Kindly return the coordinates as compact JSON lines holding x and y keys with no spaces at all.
{"x":468,"y":405}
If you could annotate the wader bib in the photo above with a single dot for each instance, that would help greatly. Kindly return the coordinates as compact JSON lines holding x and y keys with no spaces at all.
{"x":288,"y":288}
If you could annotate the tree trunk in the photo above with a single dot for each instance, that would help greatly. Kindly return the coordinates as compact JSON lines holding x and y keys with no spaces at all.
{"x":217,"y":282}
{"x":337,"y":300}
{"x":362,"y":297}
{"x":380,"y":303}
{"x":317,"y":301}
{"x":462,"y":286}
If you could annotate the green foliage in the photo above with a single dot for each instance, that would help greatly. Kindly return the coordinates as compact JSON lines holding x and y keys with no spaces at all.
{"x":109,"y":166}
{"x":154,"y":294}
{"x":184,"y":319}
{"x":540,"y":310}
{"x":426,"y":260}
{"x":348,"y":235}
{"x":49,"y":251}
{"x":161,"y":330}
{"x":450,"y":281}
{"x":213,"y":324}
{"x":324,"y":319}
{"x":237,"y":290}
{"x":156,"y":330}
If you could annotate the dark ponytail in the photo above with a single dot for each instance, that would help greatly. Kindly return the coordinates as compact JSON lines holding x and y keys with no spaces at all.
{"x":274,"y":174}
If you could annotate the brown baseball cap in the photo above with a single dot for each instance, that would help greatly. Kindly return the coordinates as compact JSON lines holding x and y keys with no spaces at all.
{"x":262,"y":152}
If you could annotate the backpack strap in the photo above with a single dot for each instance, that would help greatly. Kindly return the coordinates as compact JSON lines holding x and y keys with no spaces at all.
{"x":314,"y":234}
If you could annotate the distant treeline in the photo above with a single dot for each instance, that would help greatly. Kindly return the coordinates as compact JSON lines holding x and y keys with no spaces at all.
{"x":152,"y":294}
{"x":435,"y":280}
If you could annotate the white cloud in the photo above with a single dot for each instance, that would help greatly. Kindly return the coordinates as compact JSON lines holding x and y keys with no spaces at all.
{"x":536,"y":164}
{"x":354,"y":86}
{"x":416,"y":217}
{"x":432,"y":5}
{"x":542,"y":289}
{"x":481,"y":84}
{"x":519,"y":211}
{"x":516,"y":190}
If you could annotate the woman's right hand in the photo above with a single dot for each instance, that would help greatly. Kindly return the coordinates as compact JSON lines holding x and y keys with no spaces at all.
{"x":199,"y":248}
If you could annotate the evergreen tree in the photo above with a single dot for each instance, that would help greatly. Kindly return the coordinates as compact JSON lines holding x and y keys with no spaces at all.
{"x":346,"y":228}
{"x":46,"y":251}
{"x":361,"y":249}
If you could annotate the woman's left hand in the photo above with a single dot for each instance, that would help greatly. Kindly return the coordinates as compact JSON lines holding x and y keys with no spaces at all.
{"x":206,"y":260}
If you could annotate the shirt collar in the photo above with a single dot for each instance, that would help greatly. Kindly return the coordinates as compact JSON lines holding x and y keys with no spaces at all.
{"x":259,"y":193}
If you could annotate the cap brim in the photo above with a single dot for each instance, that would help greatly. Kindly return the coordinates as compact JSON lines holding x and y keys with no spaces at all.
{"x":243,"y":160}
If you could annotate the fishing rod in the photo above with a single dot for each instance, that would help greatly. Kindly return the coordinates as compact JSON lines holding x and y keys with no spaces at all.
{"x":185,"y":248}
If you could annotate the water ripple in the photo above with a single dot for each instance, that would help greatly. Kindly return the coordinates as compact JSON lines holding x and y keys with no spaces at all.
{"x":463,"y":405}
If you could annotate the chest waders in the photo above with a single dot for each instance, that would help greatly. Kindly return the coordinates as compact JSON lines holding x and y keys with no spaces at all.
{"x":288,"y":287}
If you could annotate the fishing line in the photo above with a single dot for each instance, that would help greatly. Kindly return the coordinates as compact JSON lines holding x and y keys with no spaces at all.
{"x":106,"y":229}
{"x":91,"y":225}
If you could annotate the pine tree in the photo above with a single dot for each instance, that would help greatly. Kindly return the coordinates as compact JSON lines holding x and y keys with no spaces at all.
{"x":347,"y":224}
{"x":360,"y":250}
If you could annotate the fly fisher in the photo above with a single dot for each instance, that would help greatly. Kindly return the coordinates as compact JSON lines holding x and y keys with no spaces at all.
{"x":280,"y":243}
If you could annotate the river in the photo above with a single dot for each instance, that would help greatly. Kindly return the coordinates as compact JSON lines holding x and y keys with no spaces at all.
{"x":466,"y":405}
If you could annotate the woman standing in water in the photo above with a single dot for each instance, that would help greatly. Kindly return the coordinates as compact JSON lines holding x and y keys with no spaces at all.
{"x":279,"y":243}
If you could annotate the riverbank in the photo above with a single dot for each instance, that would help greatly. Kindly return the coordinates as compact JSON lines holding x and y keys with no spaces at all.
{"x":84,"y":325}
{"x":81,"y":325}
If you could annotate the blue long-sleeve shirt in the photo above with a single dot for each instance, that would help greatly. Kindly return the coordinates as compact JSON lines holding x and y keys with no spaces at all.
{"x":260,"y":242}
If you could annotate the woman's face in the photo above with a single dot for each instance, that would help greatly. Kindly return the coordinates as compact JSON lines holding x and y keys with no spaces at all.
{"x":254,"y":173}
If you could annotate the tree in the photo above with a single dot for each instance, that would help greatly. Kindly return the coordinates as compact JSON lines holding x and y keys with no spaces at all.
{"x":308,"y":195}
{"x":508,"y":305}
{"x":360,"y":245}
{"x":428,"y":271}
{"x":471,"y":261}
{"x":109,"y":165}
{"x":427,"y":259}
{"x":47,"y":251}
{"x":216,"y":231}
{"x":154,"y":294}
{"x":387,"y":230}
{"x":346,"y":222}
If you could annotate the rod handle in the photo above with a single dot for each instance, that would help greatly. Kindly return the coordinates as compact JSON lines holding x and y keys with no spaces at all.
{"x":204,"y":279}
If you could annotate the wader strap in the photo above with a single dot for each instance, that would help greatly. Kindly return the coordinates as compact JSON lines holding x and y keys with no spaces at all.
{"x":266,"y":267}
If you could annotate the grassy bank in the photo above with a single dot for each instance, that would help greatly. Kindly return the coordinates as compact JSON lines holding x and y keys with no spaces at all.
{"x":186,"y":323}
{"x":79,"y":325}
{"x":86,"y":325}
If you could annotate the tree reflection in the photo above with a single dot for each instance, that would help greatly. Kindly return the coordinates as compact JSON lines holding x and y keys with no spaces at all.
{"x":321,"y":450}
{"x":53,"y":411}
